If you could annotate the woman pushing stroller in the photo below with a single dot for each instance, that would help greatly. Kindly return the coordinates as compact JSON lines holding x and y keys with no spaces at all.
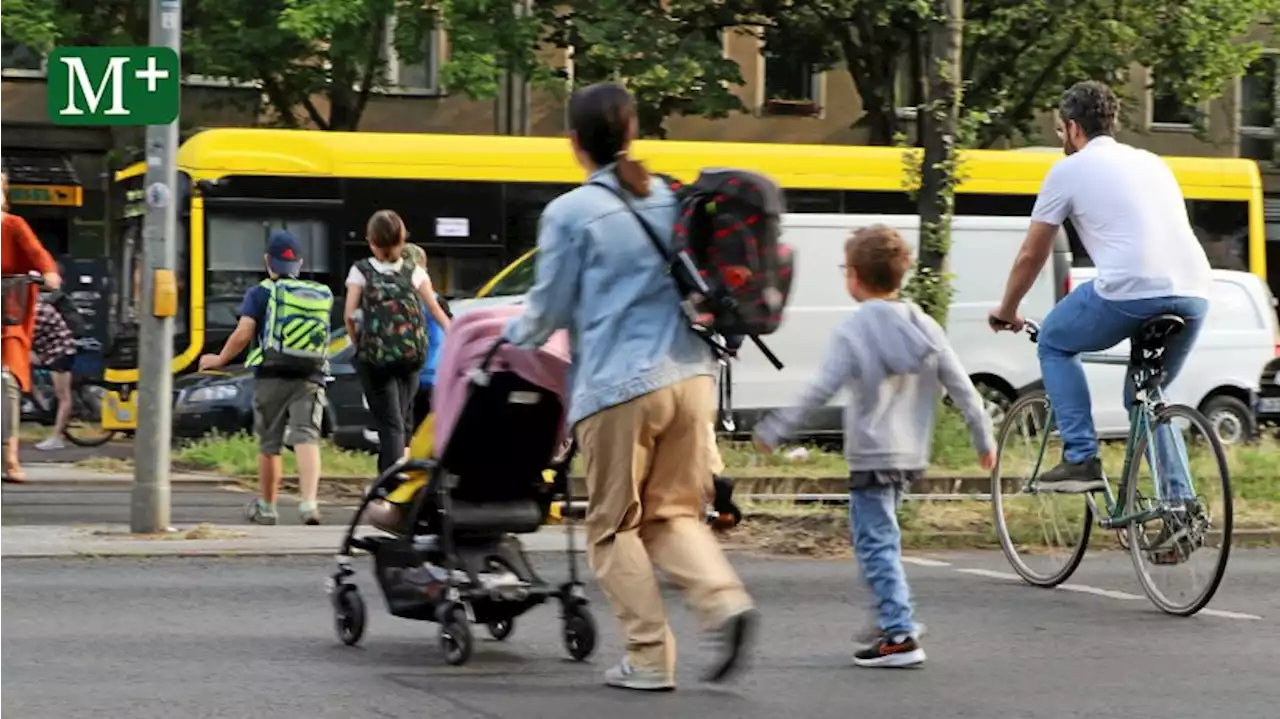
{"x":641,"y":396}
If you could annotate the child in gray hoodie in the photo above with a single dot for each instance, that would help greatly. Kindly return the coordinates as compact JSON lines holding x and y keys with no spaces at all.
{"x":895,"y":361}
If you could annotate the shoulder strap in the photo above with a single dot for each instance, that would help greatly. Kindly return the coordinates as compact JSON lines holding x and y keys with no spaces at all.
{"x":648,"y":231}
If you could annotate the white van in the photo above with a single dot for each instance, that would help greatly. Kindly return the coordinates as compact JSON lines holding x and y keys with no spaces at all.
{"x":1240,"y":336}
{"x":983,"y":251}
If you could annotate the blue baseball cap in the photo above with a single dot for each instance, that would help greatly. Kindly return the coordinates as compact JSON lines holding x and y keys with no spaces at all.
{"x":284,"y":254}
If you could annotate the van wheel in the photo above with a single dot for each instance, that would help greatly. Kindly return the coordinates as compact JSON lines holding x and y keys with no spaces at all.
{"x":1231,"y":419}
{"x":996,"y":401}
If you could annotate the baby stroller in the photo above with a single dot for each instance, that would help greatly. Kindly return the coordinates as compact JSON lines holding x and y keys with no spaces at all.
{"x":499,"y":421}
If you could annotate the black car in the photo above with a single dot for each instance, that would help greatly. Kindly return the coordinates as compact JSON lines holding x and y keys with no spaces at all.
{"x":222,"y":401}
{"x":1267,"y":406}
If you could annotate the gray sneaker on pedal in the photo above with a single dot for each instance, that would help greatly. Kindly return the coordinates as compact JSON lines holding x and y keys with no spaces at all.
{"x":1073,"y":478}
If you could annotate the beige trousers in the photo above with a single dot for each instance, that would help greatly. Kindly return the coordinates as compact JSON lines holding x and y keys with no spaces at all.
{"x":647,"y":483}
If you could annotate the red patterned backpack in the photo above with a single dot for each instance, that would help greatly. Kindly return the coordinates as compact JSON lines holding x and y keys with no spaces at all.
{"x":726,"y":254}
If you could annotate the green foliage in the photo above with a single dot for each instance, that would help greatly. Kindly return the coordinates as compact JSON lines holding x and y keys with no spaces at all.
{"x":669,"y":55}
{"x":27,"y":23}
{"x":1018,"y":56}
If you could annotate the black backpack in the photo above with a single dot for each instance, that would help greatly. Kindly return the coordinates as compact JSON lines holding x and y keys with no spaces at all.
{"x":726,"y":257}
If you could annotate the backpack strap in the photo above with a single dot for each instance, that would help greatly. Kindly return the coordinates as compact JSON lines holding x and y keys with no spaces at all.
{"x":648,"y":230}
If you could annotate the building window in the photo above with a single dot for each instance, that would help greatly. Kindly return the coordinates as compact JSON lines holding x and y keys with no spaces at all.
{"x":1166,"y":109}
{"x":1258,"y":109}
{"x":420,"y":77}
{"x":791,"y":87}
{"x":21,"y":60}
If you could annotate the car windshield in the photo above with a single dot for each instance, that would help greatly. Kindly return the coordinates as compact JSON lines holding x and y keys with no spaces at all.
{"x":517,"y":281}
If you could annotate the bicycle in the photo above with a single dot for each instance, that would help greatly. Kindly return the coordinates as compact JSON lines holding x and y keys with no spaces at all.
{"x":1160,"y":530}
{"x":84,"y":428}
{"x":14,"y":303}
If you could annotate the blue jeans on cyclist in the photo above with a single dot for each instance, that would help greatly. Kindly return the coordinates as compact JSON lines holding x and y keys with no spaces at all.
{"x":1086,"y":322}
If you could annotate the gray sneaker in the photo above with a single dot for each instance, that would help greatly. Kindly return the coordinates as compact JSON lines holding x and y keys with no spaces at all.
{"x":309,"y":513}
{"x":259,"y":512}
{"x":625,"y":676}
{"x":1073,"y":478}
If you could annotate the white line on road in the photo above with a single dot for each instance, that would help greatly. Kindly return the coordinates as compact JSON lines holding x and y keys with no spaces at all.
{"x":990,"y":573}
{"x":924,"y":562}
{"x":1098,"y":591}
{"x":1228,"y":615}
{"x":1085,"y":589}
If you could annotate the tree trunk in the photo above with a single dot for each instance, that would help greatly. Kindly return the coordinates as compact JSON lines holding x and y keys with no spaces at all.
{"x":938,"y":126}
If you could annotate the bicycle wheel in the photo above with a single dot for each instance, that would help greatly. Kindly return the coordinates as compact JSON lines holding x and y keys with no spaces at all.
{"x":85,"y":428}
{"x":1181,"y":552}
{"x":1043,"y":534}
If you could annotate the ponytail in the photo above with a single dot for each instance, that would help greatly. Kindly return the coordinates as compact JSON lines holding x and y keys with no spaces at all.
{"x":632,"y":175}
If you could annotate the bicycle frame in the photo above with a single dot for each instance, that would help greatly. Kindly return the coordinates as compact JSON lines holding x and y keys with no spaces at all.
{"x":1141,"y":413}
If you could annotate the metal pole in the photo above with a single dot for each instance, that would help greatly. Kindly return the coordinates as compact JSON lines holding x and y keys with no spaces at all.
{"x":151,"y":497}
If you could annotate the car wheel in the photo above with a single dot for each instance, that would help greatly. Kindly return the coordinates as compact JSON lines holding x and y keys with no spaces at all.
{"x":1231,"y":419}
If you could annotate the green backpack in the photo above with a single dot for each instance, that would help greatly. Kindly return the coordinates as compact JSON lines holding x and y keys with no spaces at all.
{"x":393,"y":327}
{"x":296,"y":332}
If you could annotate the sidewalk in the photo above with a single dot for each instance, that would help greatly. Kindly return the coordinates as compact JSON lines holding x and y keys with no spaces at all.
{"x":114,"y":540}
{"x":54,"y":473}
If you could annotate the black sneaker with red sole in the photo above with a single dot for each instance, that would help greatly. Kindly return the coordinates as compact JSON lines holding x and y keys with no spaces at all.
{"x":900,"y":650}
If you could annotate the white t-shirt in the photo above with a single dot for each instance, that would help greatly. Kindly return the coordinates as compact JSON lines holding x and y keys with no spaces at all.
{"x":355,"y":277}
{"x":1132,"y":220}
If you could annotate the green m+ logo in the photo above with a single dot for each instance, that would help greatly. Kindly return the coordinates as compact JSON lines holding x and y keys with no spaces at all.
{"x":114,"y":86}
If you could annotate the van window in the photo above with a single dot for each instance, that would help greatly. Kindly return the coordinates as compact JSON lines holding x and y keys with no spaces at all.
{"x":1233,"y":308}
{"x":1223,"y":228}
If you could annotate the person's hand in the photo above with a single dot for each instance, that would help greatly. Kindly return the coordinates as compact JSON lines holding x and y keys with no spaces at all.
{"x":987,"y":461}
{"x":210,"y":361}
{"x":1000,"y":322}
{"x":52,"y":281}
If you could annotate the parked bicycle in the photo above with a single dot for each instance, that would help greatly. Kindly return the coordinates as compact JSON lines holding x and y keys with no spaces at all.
{"x":1170,"y":530}
{"x":84,"y":429}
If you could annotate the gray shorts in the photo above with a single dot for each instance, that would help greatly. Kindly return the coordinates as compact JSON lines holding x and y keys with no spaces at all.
{"x":12,"y":405}
{"x":286,"y":412}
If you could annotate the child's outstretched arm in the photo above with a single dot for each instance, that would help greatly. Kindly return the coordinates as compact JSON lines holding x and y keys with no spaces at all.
{"x":838,"y":368}
{"x":966,"y":398}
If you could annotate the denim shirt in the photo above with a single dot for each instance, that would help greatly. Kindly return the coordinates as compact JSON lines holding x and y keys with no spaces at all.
{"x":599,"y":276}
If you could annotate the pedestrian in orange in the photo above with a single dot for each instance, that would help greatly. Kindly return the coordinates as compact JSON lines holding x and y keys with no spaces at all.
{"x":20,"y":253}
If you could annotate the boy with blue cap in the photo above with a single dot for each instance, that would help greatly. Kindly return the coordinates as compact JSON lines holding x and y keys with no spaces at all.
{"x":289,"y":319}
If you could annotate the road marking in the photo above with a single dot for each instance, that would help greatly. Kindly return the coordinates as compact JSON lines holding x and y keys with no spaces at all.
{"x":924,"y":562}
{"x":1085,"y":589}
{"x":1228,"y":615}
{"x":1100,"y":592}
{"x":990,"y":573}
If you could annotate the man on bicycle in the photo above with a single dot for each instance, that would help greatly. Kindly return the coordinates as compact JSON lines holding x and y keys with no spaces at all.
{"x":1132,"y":221}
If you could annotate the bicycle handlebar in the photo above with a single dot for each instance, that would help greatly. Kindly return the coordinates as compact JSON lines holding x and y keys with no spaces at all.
{"x":1029,"y":326}
{"x":11,"y":280}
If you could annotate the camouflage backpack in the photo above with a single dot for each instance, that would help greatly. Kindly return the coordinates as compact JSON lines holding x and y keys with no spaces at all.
{"x":393,"y":329}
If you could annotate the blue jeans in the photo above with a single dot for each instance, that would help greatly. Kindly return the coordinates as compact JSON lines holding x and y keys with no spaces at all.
{"x":877,"y":542}
{"x":1085,"y":322}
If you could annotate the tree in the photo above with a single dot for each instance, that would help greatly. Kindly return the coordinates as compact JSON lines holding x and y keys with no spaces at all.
{"x":298,"y":50}
{"x":939,"y":172}
{"x":1018,"y":56}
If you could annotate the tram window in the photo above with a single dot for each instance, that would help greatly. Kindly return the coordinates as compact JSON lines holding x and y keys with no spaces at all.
{"x":878,"y":203}
{"x":235,"y":245}
{"x":975,"y":205}
{"x":1223,"y":228}
{"x":523,"y":203}
{"x":814,"y":201}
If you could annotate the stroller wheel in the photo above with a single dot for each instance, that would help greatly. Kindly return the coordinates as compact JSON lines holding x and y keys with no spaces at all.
{"x":579,"y":632}
{"x":501,"y":629}
{"x":455,"y":638}
{"x":348,"y":614}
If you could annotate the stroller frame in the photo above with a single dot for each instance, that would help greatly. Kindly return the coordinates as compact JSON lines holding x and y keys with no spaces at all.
{"x":461,"y":597}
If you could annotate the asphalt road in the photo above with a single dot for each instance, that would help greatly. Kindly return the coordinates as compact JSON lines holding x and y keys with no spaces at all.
{"x":252,"y":638}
